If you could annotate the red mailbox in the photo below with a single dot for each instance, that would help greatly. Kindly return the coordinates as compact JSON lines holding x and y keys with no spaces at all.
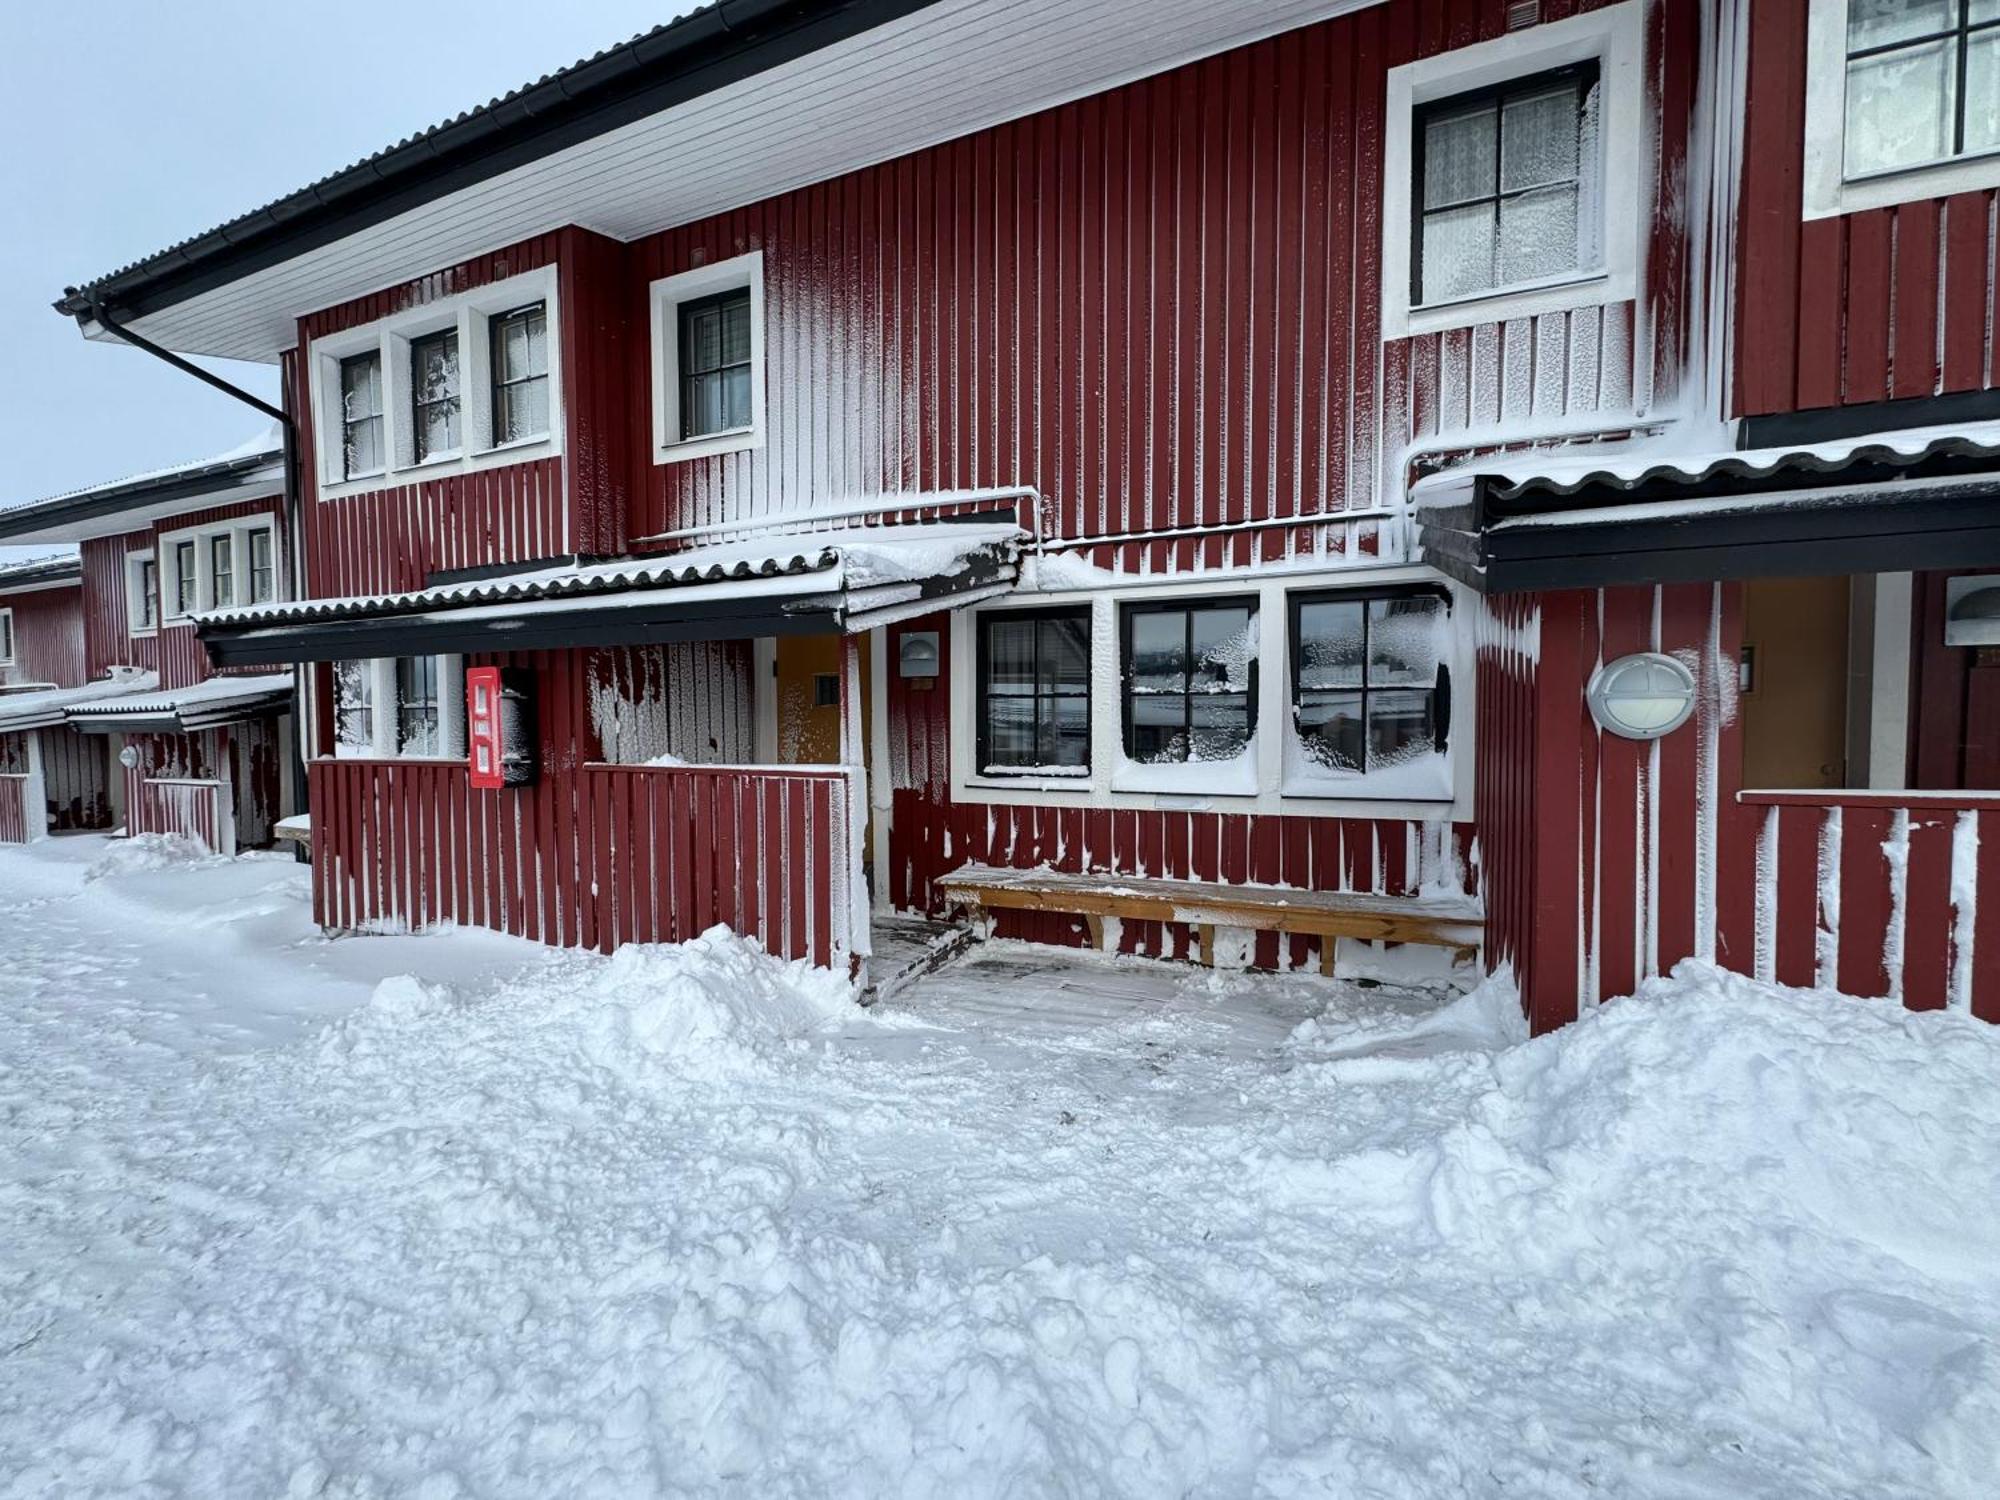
{"x":500,"y":726}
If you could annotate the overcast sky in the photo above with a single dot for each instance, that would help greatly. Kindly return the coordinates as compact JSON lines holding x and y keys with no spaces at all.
{"x":128,"y":126}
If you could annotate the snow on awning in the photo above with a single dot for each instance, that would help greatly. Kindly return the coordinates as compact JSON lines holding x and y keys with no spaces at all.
{"x":847,"y":580}
{"x":1655,"y":513}
{"x":206,"y":705}
{"x":43,"y":708}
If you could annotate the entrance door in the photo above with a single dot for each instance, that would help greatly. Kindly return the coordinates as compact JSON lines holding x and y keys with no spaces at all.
{"x":807,"y":685}
{"x":1794,"y":706}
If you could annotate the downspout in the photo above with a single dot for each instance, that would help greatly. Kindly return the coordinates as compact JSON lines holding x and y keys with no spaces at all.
{"x":295,"y":536}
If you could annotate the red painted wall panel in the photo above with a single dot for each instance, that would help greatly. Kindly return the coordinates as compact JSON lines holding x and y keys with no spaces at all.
{"x":48,"y":636}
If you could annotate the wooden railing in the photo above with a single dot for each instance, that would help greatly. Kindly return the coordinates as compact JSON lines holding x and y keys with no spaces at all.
{"x":1878,"y":894}
{"x":16,"y":827}
{"x":196,"y":808}
{"x":594,"y":857}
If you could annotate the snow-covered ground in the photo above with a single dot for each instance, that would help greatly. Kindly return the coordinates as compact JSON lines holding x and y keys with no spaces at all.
{"x":277,"y":1221}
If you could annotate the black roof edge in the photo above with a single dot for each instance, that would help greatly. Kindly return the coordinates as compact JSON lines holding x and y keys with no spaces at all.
{"x":709,"y":49}
{"x":128,"y":494}
{"x":39,"y":572}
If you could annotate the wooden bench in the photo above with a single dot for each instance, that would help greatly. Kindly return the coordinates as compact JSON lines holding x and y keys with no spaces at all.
{"x":1454,"y":922}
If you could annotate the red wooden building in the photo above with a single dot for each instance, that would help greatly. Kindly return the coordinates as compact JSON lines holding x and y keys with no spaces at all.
{"x":1318,"y":470}
{"x":134,"y":726}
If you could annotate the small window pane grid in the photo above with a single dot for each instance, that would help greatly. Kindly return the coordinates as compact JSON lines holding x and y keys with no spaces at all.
{"x":417,"y":721}
{"x":434,"y":395}
{"x":361,"y":415}
{"x":222,"y":571}
{"x":1923,"y":83}
{"x":1190,"y":681}
{"x":185,"y":581}
{"x":263,"y":568}
{"x":1034,"y":692}
{"x":520,"y":343}
{"x":1370,"y":689}
{"x":715,"y":364}
{"x":1502,"y":181}
{"x":149,"y":594}
{"x":354,"y":705}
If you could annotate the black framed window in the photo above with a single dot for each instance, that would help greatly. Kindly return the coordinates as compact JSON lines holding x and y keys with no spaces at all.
{"x":520,"y":342}
{"x":361,"y":415}
{"x":417,"y":705}
{"x":434,"y":394}
{"x":263,"y":567}
{"x":1923,"y":82}
{"x":222,"y":570}
{"x":1505,"y":181}
{"x":186,"y":584}
{"x":149,"y":594}
{"x":6,"y":635}
{"x":1034,"y":692}
{"x":1190,"y":680}
{"x":715,"y":363}
{"x":1370,"y":684}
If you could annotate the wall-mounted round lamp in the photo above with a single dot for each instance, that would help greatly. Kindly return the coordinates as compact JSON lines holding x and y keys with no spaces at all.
{"x":918,"y":654}
{"x":129,"y":757}
{"x":1641,"y":697}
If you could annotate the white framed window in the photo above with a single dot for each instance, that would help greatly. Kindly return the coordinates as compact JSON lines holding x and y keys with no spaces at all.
{"x":6,"y":637}
{"x":462,"y":383}
{"x":1327,"y":694}
{"x":399,"y":707}
{"x":1902,"y":101}
{"x":708,"y":359}
{"x":1513,"y":173}
{"x":142,"y":593}
{"x":224,"y":566}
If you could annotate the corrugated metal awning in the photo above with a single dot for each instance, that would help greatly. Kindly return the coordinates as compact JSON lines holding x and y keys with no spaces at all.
{"x":205,"y":705}
{"x":43,"y":708}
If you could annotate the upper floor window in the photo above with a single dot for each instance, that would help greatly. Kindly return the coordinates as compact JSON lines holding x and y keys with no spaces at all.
{"x":263,"y":567}
{"x":187,"y":575}
{"x":222,"y":566}
{"x":6,"y":637}
{"x":1923,"y":82}
{"x":458,"y":383}
{"x":708,"y":359}
{"x":142,"y":593}
{"x":520,"y":341}
{"x":1034,"y":692}
{"x":361,"y":450}
{"x":1190,"y":680}
{"x":1502,"y":178}
{"x":1512,"y":174}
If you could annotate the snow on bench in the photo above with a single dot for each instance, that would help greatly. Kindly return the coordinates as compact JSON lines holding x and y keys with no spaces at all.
{"x":1443,"y":921}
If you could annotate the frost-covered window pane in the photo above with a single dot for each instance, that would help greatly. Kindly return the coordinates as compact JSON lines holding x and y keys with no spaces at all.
{"x":520,"y":342}
{"x":354,"y":707}
{"x":417,"y":705}
{"x":1370,"y":685}
{"x":715,"y":363}
{"x":361,"y":415}
{"x":1190,"y":681}
{"x":1906,"y":62}
{"x":434,"y":394}
{"x":1034,"y":692}
{"x":1503,"y":178}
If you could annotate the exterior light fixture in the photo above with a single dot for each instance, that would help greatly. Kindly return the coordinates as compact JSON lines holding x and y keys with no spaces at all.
{"x":1641,"y":697}
{"x":129,"y":757}
{"x":918,"y":654}
{"x":1972,"y":610}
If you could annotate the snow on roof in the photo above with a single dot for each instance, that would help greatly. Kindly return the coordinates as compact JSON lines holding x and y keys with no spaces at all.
{"x":816,"y":562}
{"x":1670,"y":459}
{"x":212,"y":702}
{"x":40,"y":572}
{"x":268,"y":443}
{"x":47,"y":706}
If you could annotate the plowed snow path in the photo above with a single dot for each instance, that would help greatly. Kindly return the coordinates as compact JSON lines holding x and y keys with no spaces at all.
{"x":684,"y":1222}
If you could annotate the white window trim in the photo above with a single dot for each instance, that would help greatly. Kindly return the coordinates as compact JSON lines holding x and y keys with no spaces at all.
{"x":135,"y":594}
{"x":7,"y":641}
{"x":1615,"y":37}
{"x":665,"y":297}
{"x":1827,"y":190}
{"x":1100,"y":788}
{"x":471,"y":313}
{"x":387,"y":707}
{"x":239,"y":531}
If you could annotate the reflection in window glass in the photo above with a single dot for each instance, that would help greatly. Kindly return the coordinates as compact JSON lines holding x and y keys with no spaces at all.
{"x":1369,"y":681}
{"x":1034,"y":688}
{"x":1190,"y":681}
{"x":1923,"y":82}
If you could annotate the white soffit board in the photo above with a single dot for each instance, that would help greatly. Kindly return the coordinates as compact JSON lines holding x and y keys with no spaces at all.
{"x":941,"y":73}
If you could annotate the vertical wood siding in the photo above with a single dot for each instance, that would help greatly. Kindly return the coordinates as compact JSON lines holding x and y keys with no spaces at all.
{"x":108,"y":639}
{"x":198,"y":810}
{"x":1873,"y":306}
{"x":13,"y":807}
{"x":48,"y":637}
{"x":76,"y":775}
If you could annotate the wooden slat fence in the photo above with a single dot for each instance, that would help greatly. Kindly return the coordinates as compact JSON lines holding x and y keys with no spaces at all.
{"x":197,"y":808}
{"x":15,"y":803}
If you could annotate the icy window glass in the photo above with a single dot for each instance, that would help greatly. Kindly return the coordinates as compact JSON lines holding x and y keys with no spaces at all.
{"x":1504,"y":177}
{"x":434,"y":394}
{"x":1190,"y":681}
{"x":417,"y":705}
{"x":353,"y":707}
{"x":1370,"y":689}
{"x":520,"y":341}
{"x":1034,"y":688}
{"x":1923,"y":82}
{"x":361,"y":415}
{"x":715,"y":363}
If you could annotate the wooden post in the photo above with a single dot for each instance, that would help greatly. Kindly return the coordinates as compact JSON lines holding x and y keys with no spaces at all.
{"x":853,"y":755}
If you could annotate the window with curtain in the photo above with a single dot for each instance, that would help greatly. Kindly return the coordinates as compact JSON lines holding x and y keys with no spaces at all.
{"x":434,"y":395}
{"x":520,"y":343}
{"x":1506,"y":186}
{"x":1370,"y":687}
{"x":186,"y":583}
{"x":1923,"y":82}
{"x":1190,"y":680}
{"x":222,"y":570}
{"x":1034,"y":692}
